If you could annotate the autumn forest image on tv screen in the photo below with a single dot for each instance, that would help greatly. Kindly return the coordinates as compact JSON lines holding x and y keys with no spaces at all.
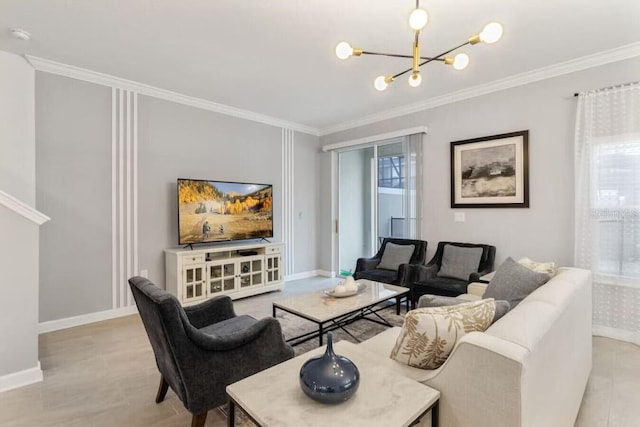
{"x":214,"y":211}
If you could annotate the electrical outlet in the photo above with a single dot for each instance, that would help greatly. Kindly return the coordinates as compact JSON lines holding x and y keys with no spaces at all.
{"x":144,"y":273}
{"x":458,"y":217}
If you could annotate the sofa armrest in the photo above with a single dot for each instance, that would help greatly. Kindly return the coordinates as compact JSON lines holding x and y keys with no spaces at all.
{"x":476,"y":289}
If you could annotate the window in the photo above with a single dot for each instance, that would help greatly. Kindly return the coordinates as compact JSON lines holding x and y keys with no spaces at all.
{"x":616,"y":208}
{"x":391,"y":172}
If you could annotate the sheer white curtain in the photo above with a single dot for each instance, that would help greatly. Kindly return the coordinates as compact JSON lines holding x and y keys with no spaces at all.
{"x":413,"y":185}
{"x":607,"y":204}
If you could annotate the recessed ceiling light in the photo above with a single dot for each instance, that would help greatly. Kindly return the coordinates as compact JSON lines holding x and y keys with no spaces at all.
{"x":21,"y":34}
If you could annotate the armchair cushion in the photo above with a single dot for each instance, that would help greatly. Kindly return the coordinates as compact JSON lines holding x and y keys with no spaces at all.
{"x":459,"y":262}
{"x":514,"y":282}
{"x":395,"y":255}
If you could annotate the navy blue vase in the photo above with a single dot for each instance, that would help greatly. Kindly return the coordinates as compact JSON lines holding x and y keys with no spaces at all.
{"x":329,"y":378}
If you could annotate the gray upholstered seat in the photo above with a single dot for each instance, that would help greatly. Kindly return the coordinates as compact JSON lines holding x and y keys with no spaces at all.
{"x":367,"y":268}
{"x":428,"y":279}
{"x":201,"y":349}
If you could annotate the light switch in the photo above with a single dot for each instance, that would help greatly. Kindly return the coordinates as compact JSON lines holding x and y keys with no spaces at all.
{"x":144,"y":273}
{"x":458,"y":217}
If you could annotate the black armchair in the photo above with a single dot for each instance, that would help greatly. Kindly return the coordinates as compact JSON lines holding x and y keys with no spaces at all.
{"x":424,"y":279}
{"x":201,"y":349}
{"x":367,"y":268}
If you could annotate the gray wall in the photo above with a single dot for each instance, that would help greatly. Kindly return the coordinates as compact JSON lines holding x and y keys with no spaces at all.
{"x":19,"y":236}
{"x":306,"y":151}
{"x":177,"y":141}
{"x":73,"y":179}
{"x":73,"y":183}
{"x":545,"y":231}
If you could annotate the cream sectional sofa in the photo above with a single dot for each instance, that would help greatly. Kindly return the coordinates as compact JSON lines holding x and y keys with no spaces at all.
{"x":529,"y":369}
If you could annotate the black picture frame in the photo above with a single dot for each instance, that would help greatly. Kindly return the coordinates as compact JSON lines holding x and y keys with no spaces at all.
{"x":491,"y":172}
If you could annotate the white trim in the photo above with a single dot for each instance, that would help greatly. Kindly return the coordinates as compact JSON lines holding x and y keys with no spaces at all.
{"x":616,"y":334}
{"x":128,"y":193}
{"x":21,"y":208}
{"x":325,"y":273}
{"x":121,"y":272}
{"x":601,"y":58}
{"x":85,"y":319}
{"x":114,"y":224}
{"x":78,"y":73}
{"x":21,"y":378}
{"x":374,"y":138}
{"x":136,"y":257}
{"x":303,"y":275}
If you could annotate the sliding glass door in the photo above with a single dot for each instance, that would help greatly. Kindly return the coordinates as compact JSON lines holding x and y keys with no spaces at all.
{"x":378,"y":196}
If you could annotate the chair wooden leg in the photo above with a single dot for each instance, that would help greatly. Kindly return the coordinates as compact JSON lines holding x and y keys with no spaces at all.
{"x":198,"y":420}
{"x":162,"y":390}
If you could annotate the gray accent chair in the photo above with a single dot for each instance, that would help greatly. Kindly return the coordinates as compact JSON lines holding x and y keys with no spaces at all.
{"x":201,"y":349}
{"x":366,"y":268}
{"x":424,"y":279}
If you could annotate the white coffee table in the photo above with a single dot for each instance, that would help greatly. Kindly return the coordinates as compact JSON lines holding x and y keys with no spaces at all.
{"x":331,"y":313}
{"x":384,"y":398}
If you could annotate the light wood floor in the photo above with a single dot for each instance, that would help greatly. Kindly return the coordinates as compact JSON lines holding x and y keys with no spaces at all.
{"x":104,"y":374}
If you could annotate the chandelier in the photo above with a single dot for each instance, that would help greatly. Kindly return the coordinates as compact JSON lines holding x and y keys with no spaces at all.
{"x":418,"y":19}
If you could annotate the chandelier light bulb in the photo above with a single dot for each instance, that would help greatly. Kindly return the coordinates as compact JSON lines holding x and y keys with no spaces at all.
{"x":415,"y":79}
{"x":460,"y":61}
{"x":418,"y":19}
{"x":491,"y":33}
{"x":344,"y":50}
{"x":380,"y":83}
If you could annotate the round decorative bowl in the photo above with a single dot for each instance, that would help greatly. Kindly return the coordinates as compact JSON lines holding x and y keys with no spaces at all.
{"x":329,"y":378}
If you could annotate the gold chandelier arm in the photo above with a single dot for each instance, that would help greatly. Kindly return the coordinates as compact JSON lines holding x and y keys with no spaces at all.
{"x":394,"y":55}
{"x":436,"y":58}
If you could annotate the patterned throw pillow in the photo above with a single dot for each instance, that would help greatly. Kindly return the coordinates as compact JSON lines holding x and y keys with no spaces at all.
{"x":429,"y":335}
{"x":539,"y":267}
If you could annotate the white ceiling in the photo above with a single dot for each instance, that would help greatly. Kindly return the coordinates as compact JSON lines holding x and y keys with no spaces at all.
{"x":275,"y":57}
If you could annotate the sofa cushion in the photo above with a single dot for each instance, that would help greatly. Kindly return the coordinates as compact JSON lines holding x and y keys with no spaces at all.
{"x":429,"y":335}
{"x":459,"y":262}
{"x":502,"y":307}
{"x":395,"y":255}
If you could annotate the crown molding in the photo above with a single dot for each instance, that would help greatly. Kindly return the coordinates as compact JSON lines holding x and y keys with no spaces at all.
{"x":22,"y":208}
{"x":601,"y":58}
{"x":374,"y":138}
{"x":78,"y":73}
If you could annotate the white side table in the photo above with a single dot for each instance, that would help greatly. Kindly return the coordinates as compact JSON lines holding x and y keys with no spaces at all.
{"x":273,"y":397}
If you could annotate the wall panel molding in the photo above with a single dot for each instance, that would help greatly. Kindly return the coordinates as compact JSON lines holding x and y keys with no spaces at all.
{"x":288,"y":210}
{"x":124,"y":194}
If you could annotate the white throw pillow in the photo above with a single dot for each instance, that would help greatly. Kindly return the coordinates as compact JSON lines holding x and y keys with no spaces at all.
{"x":539,"y":267}
{"x":429,"y":335}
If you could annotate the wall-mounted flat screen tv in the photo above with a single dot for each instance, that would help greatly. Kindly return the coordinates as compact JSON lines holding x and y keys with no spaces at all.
{"x":217,"y":211}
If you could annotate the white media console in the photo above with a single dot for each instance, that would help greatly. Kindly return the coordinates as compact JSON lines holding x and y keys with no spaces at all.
{"x":238,"y":270}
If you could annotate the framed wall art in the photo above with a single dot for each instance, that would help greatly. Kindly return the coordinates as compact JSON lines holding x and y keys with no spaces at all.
{"x":491,"y":172}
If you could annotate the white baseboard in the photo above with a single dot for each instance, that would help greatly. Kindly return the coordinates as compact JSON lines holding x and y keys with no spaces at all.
{"x":307,"y":274}
{"x":616,"y":334}
{"x":84,"y":319}
{"x":325,"y":273}
{"x":21,"y":378}
{"x":303,"y":275}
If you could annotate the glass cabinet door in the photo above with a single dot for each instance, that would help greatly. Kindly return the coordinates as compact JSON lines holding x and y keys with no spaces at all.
{"x":193,"y":283}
